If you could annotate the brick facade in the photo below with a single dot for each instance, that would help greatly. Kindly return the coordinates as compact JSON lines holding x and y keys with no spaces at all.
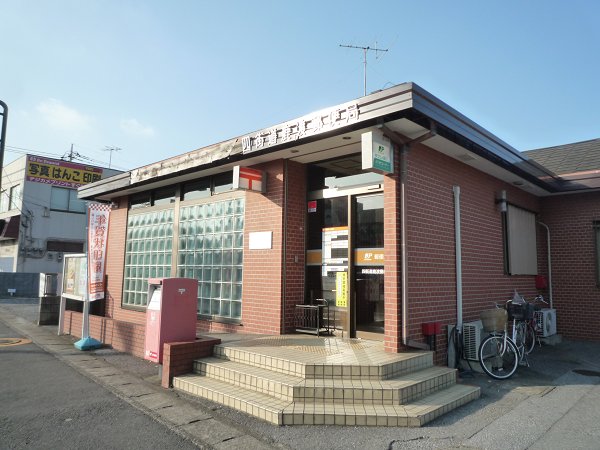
{"x":123,"y":336}
{"x":431,"y":241}
{"x":573,"y":249}
{"x":179,"y":357}
{"x":274,"y":279}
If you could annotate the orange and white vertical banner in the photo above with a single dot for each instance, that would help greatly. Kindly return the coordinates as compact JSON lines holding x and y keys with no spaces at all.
{"x":98,"y":220}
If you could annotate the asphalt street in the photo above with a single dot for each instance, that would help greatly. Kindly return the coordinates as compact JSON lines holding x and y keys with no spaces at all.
{"x":553,"y":404}
{"x":46,"y":404}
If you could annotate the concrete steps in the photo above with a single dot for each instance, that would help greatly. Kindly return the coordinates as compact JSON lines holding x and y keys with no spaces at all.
{"x":285,"y":412}
{"x":300,"y":385}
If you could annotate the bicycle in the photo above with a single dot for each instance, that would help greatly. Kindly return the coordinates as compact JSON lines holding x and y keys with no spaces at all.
{"x":500,"y":354}
{"x":532,"y":329}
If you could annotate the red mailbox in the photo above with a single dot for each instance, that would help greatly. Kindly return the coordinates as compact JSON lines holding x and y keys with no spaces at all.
{"x":170,"y":314}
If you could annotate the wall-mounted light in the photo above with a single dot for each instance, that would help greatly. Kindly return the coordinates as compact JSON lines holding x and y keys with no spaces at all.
{"x":501,"y":202}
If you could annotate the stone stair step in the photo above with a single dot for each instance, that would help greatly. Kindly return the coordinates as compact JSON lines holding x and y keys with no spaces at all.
{"x":395,"y":391}
{"x":254,"y":378}
{"x":411,"y":415}
{"x":303,"y":365}
{"x":282,"y":412}
{"x":256,"y":404}
{"x":398,"y":390}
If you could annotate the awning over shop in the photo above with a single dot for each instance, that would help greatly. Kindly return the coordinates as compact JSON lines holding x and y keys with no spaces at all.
{"x":9,"y":227}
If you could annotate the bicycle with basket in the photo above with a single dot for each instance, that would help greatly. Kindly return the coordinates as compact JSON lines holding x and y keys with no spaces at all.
{"x":501,"y":352}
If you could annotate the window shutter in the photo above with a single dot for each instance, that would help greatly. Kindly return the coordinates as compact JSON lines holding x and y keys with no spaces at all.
{"x":522,"y":245}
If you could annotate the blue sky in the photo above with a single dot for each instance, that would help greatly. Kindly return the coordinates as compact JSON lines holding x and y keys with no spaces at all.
{"x":159,"y":78}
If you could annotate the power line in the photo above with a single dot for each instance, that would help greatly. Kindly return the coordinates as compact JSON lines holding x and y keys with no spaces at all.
{"x":365,"y":50}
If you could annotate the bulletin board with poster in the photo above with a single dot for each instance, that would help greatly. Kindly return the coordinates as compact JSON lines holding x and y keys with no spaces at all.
{"x":75,"y":277}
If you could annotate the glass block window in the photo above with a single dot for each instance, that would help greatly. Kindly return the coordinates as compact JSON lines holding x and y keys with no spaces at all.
{"x":148,"y":253}
{"x":211,"y":249}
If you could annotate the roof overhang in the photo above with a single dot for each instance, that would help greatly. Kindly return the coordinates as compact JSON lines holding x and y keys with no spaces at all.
{"x":406,"y":109}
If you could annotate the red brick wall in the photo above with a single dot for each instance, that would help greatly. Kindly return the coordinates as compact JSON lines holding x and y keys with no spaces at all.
{"x":393,"y":263}
{"x":262,"y":289}
{"x":295,"y":241}
{"x":576,"y":296}
{"x":431,"y":241}
{"x":123,"y":336}
{"x":115,"y":266}
{"x":179,"y":357}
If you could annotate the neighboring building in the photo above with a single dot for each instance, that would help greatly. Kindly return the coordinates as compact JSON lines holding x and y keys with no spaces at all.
{"x":41,"y":217}
{"x":381,"y":244}
{"x":574,"y":222}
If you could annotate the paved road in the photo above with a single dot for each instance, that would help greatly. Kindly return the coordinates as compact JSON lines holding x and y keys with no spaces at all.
{"x":548,"y":406}
{"x":45,"y":404}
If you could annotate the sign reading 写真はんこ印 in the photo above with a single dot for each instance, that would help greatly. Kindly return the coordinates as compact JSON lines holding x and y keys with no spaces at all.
{"x":60,"y":173}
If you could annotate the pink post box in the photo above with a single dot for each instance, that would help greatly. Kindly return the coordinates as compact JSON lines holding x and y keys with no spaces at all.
{"x":170,"y":314}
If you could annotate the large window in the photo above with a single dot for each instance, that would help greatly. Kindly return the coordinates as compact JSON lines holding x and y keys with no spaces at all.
{"x":211,"y":243}
{"x":148,"y":253}
{"x":520,"y":241}
{"x":63,"y":199}
{"x":14,"y":197}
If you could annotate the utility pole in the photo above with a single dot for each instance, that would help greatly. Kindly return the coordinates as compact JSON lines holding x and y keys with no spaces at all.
{"x":365,"y":50}
{"x":3,"y":136}
{"x":71,"y":154}
{"x":111,"y":150}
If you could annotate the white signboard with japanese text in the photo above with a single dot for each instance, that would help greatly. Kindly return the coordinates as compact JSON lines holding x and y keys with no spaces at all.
{"x":309,"y":125}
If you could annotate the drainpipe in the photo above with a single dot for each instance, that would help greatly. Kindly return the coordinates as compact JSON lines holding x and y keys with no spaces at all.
{"x":403,"y":252}
{"x":458,"y":251}
{"x":549,"y":261}
{"x":284,"y":244}
{"x":404,"y":148}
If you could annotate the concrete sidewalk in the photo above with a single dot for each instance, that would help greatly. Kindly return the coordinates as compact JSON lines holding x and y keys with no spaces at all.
{"x":547,"y":405}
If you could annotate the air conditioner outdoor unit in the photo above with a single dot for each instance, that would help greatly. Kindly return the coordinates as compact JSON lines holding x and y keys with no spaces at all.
{"x":546,"y":322}
{"x":473,"y":334}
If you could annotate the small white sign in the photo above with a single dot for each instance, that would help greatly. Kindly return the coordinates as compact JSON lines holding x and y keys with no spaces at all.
{"x":377,"y":152}
{"x":260,"y":240}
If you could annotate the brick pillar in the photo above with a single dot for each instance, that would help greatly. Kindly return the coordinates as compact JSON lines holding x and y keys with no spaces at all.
{"x":295,"y":251}
{"x":393,"y":269}
{"x":262,"y":291}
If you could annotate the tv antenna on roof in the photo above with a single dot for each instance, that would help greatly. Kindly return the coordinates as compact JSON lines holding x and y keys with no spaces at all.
{"x":365,"y":50}
{"x":111,"y":150}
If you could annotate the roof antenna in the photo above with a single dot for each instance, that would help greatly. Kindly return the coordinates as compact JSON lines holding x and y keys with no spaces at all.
{"x":111,"y":150}
{"x":365,"y":50}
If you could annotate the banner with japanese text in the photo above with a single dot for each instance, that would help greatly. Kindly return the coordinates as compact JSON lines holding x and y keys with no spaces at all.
{"x":98,"y":220}
{"x":60,"y":173}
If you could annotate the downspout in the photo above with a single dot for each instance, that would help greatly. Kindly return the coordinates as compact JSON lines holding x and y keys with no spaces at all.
{"x":403,"y":252}
{"x":458,"y":251}
{"x":404,"y":148}
{"x":549,"y":261}
{"x":284,"y":244}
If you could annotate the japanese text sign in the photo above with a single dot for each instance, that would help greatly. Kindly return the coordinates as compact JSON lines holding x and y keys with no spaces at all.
{"x":60,"y":173}
{"x":98,"y":220}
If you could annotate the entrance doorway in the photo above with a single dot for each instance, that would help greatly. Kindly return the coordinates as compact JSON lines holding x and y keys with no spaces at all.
{"x":345,"y":258}
{"x":368,"y":264}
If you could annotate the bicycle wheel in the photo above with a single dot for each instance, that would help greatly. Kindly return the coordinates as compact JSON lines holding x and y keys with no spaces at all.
{"x":530,"y":338}
{"x":498,"y":356}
